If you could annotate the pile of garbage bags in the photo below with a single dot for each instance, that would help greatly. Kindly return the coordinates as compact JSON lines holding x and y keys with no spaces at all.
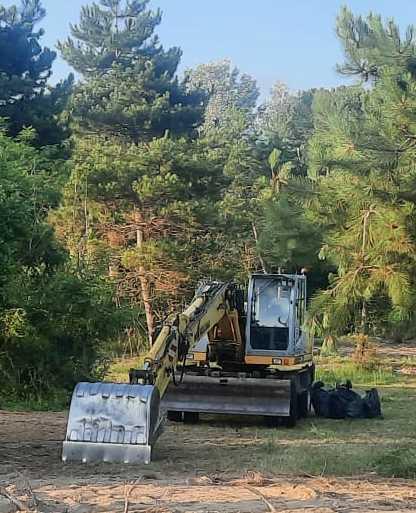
{"x":342,"y":402}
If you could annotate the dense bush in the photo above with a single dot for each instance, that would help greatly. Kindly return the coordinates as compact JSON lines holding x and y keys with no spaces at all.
{"x":54,"y":323}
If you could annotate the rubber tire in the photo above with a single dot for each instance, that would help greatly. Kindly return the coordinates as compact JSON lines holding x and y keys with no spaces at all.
{"x":271,"y":421}
{"x":190,"y":417}
{"x":312,"y":373}
{"x":290,"y":422}
{"x":304,"y":404}
{"x":174,"y":416}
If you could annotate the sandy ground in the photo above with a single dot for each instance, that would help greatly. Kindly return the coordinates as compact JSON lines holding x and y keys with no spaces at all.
{"x":183,"y":478}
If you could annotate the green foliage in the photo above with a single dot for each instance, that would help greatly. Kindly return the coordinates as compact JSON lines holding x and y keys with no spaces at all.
{"x":138,"y":103}
{"x":27,"y":188}
{"x":129,"y":88}
{"x":288,"y":238}
{"x":25,"y":67}
{"x":54,"y":400}
{"x":53,"y":333}
{"x":361,"y":159}
{"x":53,"y":323}
{"x":284,"y":122}
{"x":226,"y":91}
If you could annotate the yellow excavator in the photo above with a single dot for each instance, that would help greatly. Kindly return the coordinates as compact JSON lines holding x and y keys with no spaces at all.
{"x":232,"y":351}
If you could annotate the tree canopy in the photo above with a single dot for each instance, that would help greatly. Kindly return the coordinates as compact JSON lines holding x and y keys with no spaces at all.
{"x":129,"y":87}
{"x":122,"y":189}
{"x":26,"y":97}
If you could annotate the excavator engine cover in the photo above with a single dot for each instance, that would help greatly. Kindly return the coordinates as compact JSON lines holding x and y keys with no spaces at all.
{"x":230,"y":395}
{"x":112,"y":423}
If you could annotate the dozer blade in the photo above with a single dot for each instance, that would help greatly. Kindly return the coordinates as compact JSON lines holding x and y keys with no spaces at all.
{"x":112,"y":423}
{"x":235,"y":396}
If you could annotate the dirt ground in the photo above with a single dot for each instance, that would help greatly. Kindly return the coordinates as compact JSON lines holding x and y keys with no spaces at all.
{"x":187,"y":476}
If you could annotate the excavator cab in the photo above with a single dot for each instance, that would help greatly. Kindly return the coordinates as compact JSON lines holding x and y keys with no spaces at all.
{"x":275,"y":319}
{"x":271,"y":325}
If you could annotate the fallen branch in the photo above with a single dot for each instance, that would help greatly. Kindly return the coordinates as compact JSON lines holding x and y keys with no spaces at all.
{"x":128,"y":488}
{"x":29,"y":491}
{"x":19,"y":505}
{"x":272,"y":509}
{"x":127,"y":492}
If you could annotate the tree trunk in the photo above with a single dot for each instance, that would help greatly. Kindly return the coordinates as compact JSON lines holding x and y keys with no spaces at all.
{"x":256,"y":238}
{"x":364,"y":318}
{"x":366,"y":219}
{"x":146,"y":294}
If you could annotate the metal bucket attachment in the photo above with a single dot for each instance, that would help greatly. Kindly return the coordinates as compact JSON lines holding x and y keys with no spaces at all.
{"x":234,"y":396}
{"x":112,"y":423}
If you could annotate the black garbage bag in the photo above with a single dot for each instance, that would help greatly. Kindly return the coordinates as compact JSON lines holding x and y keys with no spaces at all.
{"x":342,"y":402}
{"x":372,"y":404}
{"x":320,"y":399}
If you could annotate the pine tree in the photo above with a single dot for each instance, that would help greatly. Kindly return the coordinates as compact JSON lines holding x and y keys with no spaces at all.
{"x":140,"y":211}
{"x":129,"y":85}
{"x":26,"y":100}
{"x":284,"y":121}
{"x":128,"y":114}
{"x":361,"y":158}
{"x":113,"y":32}
{"x":24,"y":65}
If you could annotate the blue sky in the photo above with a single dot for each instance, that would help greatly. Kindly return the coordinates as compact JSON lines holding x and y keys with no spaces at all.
{"x":288,"y":40}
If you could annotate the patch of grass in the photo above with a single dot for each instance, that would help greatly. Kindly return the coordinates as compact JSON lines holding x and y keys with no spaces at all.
{"x":398,"y":462}
{"x":408,"y":361}
{"x":58,"y":400}
{"x":318,"y":432}
{"x":328,"y":459}
{"x":349,"y":447}
{"x":332,"y":371}
{"x":119,"y":369}
{"x":316,"y":446}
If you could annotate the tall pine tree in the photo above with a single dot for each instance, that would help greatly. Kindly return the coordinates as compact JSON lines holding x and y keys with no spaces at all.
{"x":361,"y":157}
{"x":129,"y":85}
{"x":138,"y":200}
{"x":26,"y":99}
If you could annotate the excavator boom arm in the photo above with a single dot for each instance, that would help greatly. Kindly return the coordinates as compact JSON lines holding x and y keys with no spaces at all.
{"x":120,"y":423}
{"x":182,"y":331}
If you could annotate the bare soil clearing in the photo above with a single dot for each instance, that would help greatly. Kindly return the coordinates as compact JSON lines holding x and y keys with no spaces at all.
{"x":206,"y":468}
